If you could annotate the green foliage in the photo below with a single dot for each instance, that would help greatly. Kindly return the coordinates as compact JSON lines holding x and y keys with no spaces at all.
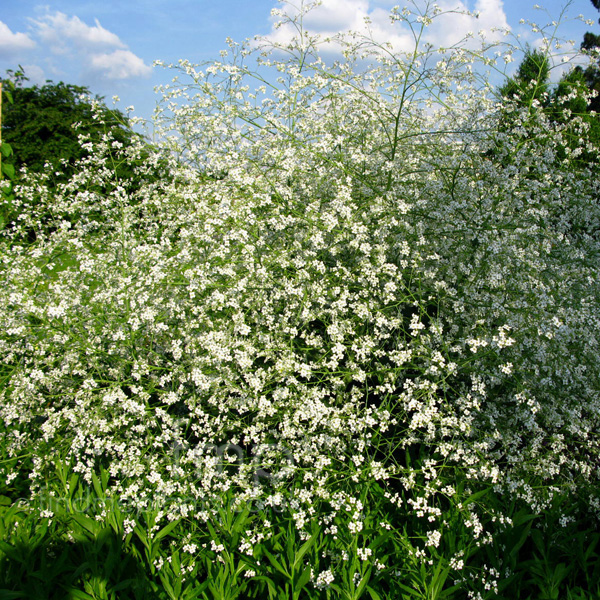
{"x":43,"y":124}
{"x":53,"y":130}
{"x":591,"y":74}
{"x":7,"y":169}
{"x":531,"y":81}
{"x":569,"y":103}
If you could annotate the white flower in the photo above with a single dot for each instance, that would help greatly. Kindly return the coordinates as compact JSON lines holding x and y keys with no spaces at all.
{"x":433,"y":538}
{"x":324,"y":579}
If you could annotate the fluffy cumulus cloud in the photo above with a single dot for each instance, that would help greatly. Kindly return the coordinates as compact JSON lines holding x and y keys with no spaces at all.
{"x":61,"y":33}
{"x":119,"y":64}
{"x":485,"y":17}
{"x":456,"y":20}
{"x":96,"y":51}
{"x":35,"y":74}
{"x":13,"y":43}
{"x":336,"y":16}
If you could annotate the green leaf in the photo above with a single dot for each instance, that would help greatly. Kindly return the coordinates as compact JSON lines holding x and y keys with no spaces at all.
{"x":276,"y":564}
{"x":476,"y":496}
{"x":363,"y":583}
{"x":379,"y":540}
{"x":6,"y":149}
{"x":79,"y":594}
{"x":175,"y":564}
{"x":9,"y":550}
{"x":8,"y":595}
{"x":126,"y":584}
{"x":166,"y":530}
{"x":410,"y":590}
{"x":165,"y":581}
{"x":240,"y":520}
{"x":142,"y":536}
{"x":8,"y":170}
{"x":82,"y":568}
{"x":303,"y":550}
{"x":88,"y":524}
{"x":270,"y":585}
{"x":73,"y":482}
{"x":303,"y":579}
{"x":374,"y":595}
{"x":439,"y":578}
{"x":522,"y":539}
{"x":97,"y":485}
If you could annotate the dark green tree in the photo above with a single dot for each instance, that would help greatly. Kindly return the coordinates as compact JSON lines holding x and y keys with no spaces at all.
{"x":43,"y":127}
{"x":531,"y":81}
{"x":561,"y":102}
{"x":532,"y":108}
{"x":40,"y":124}
{"x":591,"y":74}
{"x":7,"y":169}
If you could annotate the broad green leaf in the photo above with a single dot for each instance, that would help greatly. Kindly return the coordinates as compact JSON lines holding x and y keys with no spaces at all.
{"x":126,"y":584}
{"x":276,"y":564}
{"x":8,"y":170}
{"x":142,"y":536}
{"x":97,"y":486}
{"x":270,"y":585}
{"x":88,"y":524}
{"x":380,"y":540}
{"x":8,"y":549}
{"x":476,"y":496}
{"x":73,"y":482}
{"x":303,"y":550}
{"x":374,"y":595}
{"x":175,"y":563}
{"x":410,"y":591}
{"x":165,"y":530}
{"x":6,"y":149}
{"x":79,"y":594}
{"x":303,"y":579}
{"x":240,"y":520}
{"x":363,"y":582}
{"x":82,"y":568}
{"x":169,"y":589}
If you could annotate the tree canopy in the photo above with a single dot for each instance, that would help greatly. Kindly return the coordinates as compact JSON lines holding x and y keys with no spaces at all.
{"x":43,"y":123}
{"x":591,"y":74}
{"x":54,"y":129}
{"x":531,"y":80}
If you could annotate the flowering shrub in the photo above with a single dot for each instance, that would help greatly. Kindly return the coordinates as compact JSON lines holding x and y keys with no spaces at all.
{"x":350,"y":278}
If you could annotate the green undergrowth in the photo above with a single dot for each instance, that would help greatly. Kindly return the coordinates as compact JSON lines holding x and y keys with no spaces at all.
{"x":88,"y":550}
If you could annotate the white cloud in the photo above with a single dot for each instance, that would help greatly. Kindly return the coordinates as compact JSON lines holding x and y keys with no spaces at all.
{"x":35,"y":74}
{"x":120,"y":64}
{"x":450,"y":27}
{"x":337,"y":15}
{"x":11,"y":43}
{"x":92,"y":49}
{"x":62,"y":32}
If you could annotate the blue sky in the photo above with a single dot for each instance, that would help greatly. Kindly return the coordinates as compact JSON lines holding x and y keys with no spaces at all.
{"x":110,"y":45}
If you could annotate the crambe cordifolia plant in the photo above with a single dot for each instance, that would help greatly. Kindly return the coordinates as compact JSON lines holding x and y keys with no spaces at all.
{"x":346,"y":316}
